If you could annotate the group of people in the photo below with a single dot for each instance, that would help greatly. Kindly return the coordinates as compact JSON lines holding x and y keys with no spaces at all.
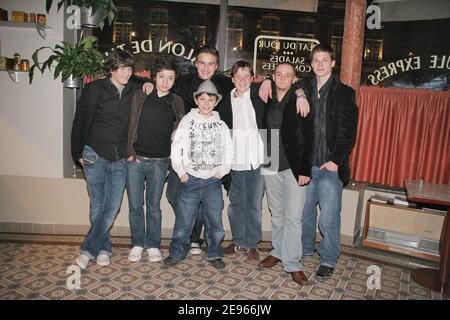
{"x":289,"y":139}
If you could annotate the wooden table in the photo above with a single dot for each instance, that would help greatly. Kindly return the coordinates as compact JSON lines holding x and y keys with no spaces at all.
{"x":436,"y":280}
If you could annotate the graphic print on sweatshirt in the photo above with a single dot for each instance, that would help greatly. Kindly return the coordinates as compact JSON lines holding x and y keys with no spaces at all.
{"x":206,"y":145}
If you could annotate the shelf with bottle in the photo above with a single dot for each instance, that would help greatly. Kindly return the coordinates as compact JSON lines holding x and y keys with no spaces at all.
{"x":14,"y":74}
{"x":42,"y":29}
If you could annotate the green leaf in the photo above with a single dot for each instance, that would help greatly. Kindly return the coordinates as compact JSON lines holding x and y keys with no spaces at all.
{"x":48,"y":5}
{"x":31,"y":73}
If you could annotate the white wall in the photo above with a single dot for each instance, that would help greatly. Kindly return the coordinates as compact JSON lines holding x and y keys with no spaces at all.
{"x":31,"y":125}
{"x":61,"y":206}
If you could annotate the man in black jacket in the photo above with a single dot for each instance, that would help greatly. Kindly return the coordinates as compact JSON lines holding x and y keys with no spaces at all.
{"x":99,"y":142}
{"x":291,"y":136}
{"x":335,"y":123}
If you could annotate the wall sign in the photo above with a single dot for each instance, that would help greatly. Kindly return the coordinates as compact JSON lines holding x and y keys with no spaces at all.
{"x":269,"y":51}
{"x":408,"y":64}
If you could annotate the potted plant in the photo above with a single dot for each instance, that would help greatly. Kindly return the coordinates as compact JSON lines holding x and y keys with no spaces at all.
{"x":72,"y":62}
{"x":93,"y":12}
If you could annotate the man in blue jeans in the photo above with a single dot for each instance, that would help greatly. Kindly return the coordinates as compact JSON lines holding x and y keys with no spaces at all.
{"x":153,"y":119}
{"x":243,"y":111}
{"x":335,"y":123}
{"x":99,"y":140}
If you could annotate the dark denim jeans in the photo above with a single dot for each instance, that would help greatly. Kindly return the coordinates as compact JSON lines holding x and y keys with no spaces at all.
{"x":244,"y":211}
{"x":173,"y":187}
{"x":146,"y":232}
{"x":106,"y":183}
{"x":191,"y":193}
{"x":324,"y":189}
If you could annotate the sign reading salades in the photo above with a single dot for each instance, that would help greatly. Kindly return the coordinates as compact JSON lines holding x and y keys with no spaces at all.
{"x":269,"y":51}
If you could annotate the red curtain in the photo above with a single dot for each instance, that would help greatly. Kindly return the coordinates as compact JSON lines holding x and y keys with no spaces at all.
{"x":402,"y":134}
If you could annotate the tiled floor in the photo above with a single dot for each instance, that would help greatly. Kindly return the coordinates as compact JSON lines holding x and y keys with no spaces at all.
{"x":37,"y":270}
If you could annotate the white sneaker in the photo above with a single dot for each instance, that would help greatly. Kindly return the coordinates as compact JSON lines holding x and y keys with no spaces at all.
{"x":195,"y":249}
{"x":103,"y":260}
{"x":135,"y":254}
{"x":154,"y":255}
{"x":82,"y":261}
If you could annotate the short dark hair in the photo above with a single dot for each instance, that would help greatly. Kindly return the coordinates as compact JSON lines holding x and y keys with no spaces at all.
{"x":289,"y":64}
{"x":322,"y":47}
{"x":117,"y":58}
{"x":164,"y":63}
{"x":209,"y":50}
{"x":241,"y":64}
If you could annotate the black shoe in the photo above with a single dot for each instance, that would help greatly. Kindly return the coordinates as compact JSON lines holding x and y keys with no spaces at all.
{"x":170,"y":261}
{"x":218,"y":263}
{"x":324,"y":272}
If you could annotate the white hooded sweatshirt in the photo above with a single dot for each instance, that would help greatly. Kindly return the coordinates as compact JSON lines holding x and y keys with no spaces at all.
{"x":202,"y":146}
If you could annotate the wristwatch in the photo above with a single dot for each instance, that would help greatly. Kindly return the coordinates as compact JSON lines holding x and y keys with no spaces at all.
{"x":301,"y":95}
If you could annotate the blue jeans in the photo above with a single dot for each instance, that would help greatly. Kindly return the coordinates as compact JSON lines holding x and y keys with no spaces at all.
{"x":146,"y":233}
{"x":286,"y":200}
{"x":244,"y":211}
{"x":106,"y":183}
{"x":173,"y":187}
{"x":191,"y":193}
{"x":325,"y":189}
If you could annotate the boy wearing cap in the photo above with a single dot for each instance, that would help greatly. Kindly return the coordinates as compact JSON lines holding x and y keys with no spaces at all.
{"x":201,"y":155}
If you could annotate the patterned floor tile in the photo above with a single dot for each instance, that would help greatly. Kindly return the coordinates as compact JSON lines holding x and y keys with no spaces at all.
{"x":420,"y":292}
{"x":256,"y":289}
{"x":214,"y":292}
{"x":282,"y":295}
{"x":190,"y":284}
{"x":46,"y":265}
{"x":172,"y":295}
{"x":148,"y":287}
{"x":105,"y":271}
{"x":205,"y":273}
{"x":126,"y":278}
{"x":38,"y":284}
{"x":267,"y":277}
{"x":29,"y":259}
{"x":356,"y":288}
{"x":5,"y":268}
{"x":38,"y":272}
{"x":167,"y":276}
{"x":104,"y":290}
{"x":19,"y":276}
{"x":11,"y":295}
{"x":57,"y":293}
{"x":386,"y":295}
{"x":129,"y":296}
{"x":229,"y":281}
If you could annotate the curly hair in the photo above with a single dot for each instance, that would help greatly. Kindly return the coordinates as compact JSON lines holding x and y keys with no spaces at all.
{"x":117,"y":58}
{"x":164,"y":63}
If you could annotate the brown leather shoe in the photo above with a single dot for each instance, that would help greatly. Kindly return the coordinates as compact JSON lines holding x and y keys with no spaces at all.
{"x":253,"y":254}
{"x":232,"y":248}
{"x":269,"y":262}
{"x":300,"y":278}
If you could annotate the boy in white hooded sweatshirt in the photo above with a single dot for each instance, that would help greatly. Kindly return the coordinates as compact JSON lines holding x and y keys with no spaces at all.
{"x":201,"y":154}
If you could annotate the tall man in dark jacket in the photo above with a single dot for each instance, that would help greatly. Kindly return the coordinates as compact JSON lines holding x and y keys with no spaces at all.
{"x":335,"y":123}
{"x":99,"y":142}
